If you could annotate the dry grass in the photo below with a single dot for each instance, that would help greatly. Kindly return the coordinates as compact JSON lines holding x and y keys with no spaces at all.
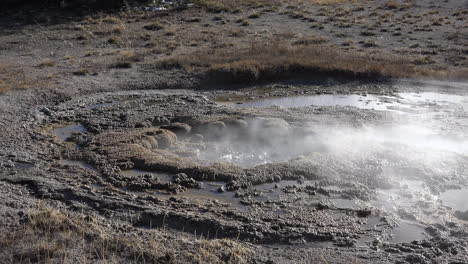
{"x":217,"y":6}
{"x":310,"y":40}
{"x":154,"y":26}
{"x":214,"y":251}
{"x":391,"y":5}
{"x":53,"y":236}
{"x":81,"y":72}
{"x":46,"y":63}
{"x":273,"y":61}
{"x":14,"y":78}
{"x":114,"y":40}
{"x":111,"y":19}
{"x":118,"y":29}
{"x":125,"y":59}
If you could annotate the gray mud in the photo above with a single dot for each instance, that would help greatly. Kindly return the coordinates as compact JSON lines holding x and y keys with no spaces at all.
{"x":362,"y":173}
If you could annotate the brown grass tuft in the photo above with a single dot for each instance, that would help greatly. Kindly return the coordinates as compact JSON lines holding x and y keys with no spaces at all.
{"x":56,"y":236}
{"x":154,"y":26}
{"x":125,"y":59}
{"x":272,"y":61}
{"x":214,"y":251}
{"x":46,"y":63}
{"x":217,"y":6}
{"x":391,"y":5}
{"x":14,"y":78}
{"x":311,"y":40}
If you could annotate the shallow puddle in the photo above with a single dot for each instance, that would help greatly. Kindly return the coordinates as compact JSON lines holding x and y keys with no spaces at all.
{"x":406,"y":233}
{"x":373,"y":223}
{"x":403,"y":102}
{"x":78,"y":163}
{"x":208,"y":191}
{"x":434,"y":98}
{"x":456,"y":199}
{"x":423,"y":125}
{"x":65,"y":132}
{"x":405,"y":196}
{"x":344,"y":203}
{"x":23,"y":165}
{"x":360,"y":101}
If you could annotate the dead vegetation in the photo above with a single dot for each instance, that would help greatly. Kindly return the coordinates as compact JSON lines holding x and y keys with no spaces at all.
{"x":46,"y":63}
{"x":125,"y":59}
{"x":217,"y":6}
{"x":272,"y":61}
{"x":57,"y":236}
{"x":14,"y":78}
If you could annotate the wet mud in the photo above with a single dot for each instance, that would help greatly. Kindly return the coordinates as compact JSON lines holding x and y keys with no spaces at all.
{"x":366,"y":172}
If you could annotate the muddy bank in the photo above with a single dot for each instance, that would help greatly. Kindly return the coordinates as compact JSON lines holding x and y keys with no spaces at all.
{"x":347,"y":176}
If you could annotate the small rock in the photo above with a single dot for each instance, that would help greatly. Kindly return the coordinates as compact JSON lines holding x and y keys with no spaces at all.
{"x":46,"y":111}
{"x":141,"y":125}
{"x":301,"y":180}
{"x":222,"y":189}
{"x":364,"y":213}
{"x":161,"y":121}
{"x":185,"y":181}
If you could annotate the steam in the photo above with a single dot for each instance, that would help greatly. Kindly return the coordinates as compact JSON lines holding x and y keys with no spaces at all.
{"x":428,"y":141}
{"x":261,"y":143}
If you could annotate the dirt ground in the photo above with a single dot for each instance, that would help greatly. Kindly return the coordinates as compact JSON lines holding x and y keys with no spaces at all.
{"x":115,"y":133}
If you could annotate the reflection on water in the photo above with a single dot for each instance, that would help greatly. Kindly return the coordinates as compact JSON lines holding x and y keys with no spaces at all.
{"x":24,"y":165}
{"x":401,"y":102}
{"x":345,"y":203}
{"x":407,"y":232}
{"x":456,"y":199}
{"x":431,"y":123}
{"x":365,"y":102}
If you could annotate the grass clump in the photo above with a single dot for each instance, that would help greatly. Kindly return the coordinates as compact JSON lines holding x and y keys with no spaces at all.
{"x":58,"y":236}
{"x":214,"y":6}
{"x":125,"y":59}
{"x":254,"y":16}
{"x":81,"y":72}
{"x":272,"y":61}
{"x":218,"y":6}
{"x":118,"y":30}
{"x":391,"y":5}
{"x":46,"y":63}
{"x":14,"y":78}
{"x":154,"y":26}
{"x":114,"y":40}
{"x":311,"y":40}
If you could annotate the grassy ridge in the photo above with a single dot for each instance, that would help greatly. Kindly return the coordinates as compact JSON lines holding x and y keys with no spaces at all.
{"x":272,"y":61}
{"x":56,"y":236}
